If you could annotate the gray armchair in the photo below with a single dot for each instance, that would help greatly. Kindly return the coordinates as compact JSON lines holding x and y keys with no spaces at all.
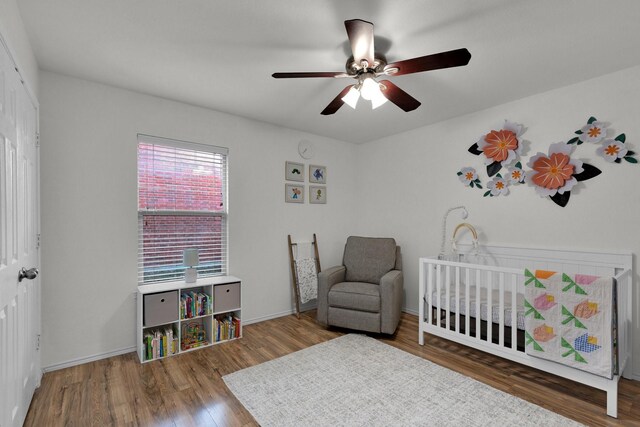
{"x":365,"y":293}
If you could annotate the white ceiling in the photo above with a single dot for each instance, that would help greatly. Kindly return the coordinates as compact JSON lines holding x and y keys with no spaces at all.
{"x":221,"y":54}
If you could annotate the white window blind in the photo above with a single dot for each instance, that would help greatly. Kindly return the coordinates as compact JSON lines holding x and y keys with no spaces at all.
{"x":182,"y":204}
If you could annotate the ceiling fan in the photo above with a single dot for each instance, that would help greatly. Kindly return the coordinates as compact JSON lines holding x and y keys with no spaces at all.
{"x":366,"y":66}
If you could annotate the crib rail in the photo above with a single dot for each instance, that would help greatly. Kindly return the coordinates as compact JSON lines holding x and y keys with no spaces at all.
{"x":625,"y":316}
{"x":477,"y":305}
{"x":487,"y":292}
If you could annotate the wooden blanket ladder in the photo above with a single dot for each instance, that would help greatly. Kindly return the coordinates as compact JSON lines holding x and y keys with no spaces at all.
{"x":294,"y":271}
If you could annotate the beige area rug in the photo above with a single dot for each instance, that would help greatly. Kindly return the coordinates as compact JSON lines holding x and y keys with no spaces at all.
{"x":355,"y":380}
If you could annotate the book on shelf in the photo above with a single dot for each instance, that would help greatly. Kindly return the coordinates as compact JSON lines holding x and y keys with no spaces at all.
{"x":160,"y":342}
{"x":193,"y":304}
{"x":226,"y":327}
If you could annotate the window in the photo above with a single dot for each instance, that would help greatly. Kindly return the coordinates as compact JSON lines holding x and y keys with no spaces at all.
{"x":182,"y":194}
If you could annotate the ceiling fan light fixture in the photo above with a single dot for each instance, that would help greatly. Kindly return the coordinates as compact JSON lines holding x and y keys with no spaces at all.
{"x":351,"y":98}
{"x":377,"y":99}
{"x":365,"y":66}
{"x":370,"y":88}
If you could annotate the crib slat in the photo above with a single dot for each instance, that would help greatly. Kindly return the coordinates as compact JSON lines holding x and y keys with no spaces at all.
{"x":501,"y":312}
{"x":438,"y":290}
{"x":478,"y":297}
{"x":489,"y":306}
{"x":421,"y":294}
{"x":429,"y":295}
{"x":447,"y":285}
{"x":457,"y":308}
{"x":514,"y":311}
{"x":466,"y":302}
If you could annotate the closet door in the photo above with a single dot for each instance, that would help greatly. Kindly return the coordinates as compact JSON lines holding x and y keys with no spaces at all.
{"x":19,"y":230}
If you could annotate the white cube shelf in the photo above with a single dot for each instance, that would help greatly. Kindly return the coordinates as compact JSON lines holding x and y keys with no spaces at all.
{"x":176,"y":317}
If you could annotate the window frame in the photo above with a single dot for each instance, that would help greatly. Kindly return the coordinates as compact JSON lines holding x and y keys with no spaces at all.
{"x":223,"y":214}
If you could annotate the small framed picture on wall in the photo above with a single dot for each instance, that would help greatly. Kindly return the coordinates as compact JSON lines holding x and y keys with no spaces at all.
{"x":317,"y":174}
{"x":318,"y":194}
{"x":294,"y":171}
{"x":294,"y":193}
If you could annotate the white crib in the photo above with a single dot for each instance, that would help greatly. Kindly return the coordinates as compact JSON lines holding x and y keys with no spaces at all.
{"x":449,"y":290}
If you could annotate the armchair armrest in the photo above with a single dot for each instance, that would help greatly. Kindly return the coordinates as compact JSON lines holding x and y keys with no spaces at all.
{"x":326,"y":279}
{"x":390,"y":300}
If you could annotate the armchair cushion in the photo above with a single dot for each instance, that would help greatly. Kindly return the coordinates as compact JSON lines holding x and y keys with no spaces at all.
{"x":355,"y":296}
{"x":391,"y":300}
{"x":326,"y":279}
{"x":367,"y":259}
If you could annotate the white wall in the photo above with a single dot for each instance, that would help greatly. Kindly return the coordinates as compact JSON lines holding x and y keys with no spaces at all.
{"x":89,"y":196}
{"x":12,"y":29}
{"x":414,"y":181}
{"x":403,"y":186}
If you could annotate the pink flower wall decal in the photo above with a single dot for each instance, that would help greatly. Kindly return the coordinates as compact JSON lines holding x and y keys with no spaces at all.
{"x":498,"y":144}
{"x":499,"y":147}
{"x":554,"y":174}
{"x":553,"y":171}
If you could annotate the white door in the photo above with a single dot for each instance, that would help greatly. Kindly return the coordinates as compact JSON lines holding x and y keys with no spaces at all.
{"x":19,"y":247}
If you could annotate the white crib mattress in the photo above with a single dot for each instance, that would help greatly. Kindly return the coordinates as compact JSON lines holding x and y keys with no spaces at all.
{"x":495,"y":308}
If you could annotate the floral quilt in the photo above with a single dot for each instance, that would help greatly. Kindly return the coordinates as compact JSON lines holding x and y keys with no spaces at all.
{"x":570,"y":319}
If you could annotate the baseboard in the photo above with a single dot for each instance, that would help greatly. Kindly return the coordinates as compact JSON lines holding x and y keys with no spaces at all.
{"x":267,"y":317}
{"x":93,"y":358}
{"x":87,"y":359}
{"x":302,"y":309}
{"x":409,"y":311}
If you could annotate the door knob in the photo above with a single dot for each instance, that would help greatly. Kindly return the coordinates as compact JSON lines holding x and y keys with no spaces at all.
{"x":30,"y":274}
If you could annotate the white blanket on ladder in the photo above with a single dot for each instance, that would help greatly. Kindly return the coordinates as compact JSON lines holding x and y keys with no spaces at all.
{"x":307,"y":279}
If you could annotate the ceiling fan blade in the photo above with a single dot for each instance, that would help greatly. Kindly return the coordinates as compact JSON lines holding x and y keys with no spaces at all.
{"x":399,"y":97}
{"x":452,"y":58}
{"x":336,"y":103}
{"x":361,"y":37}
{"x":309,"y":74}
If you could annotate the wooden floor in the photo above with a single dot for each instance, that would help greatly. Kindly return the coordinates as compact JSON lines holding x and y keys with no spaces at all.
{"x":188,"y":389}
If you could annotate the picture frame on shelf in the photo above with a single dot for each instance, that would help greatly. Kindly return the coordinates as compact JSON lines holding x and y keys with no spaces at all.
{"x":317,"y":174}
{"x":294,"y":171}
{"x":294,"y":193}
{"x":318,"y":194}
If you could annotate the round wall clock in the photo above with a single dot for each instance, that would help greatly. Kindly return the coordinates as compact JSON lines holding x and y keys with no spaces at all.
{"x":305,"y":148}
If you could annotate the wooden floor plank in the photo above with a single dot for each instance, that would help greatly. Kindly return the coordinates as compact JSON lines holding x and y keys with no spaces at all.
{"x":189,"y":390}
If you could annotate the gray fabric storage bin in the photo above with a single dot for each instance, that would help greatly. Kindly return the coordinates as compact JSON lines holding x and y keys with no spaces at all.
{"x":226,"y":297}
{"x":160,"y":308}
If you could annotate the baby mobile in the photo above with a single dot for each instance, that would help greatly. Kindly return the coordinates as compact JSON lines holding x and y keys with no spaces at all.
{"x":553,"y":174}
